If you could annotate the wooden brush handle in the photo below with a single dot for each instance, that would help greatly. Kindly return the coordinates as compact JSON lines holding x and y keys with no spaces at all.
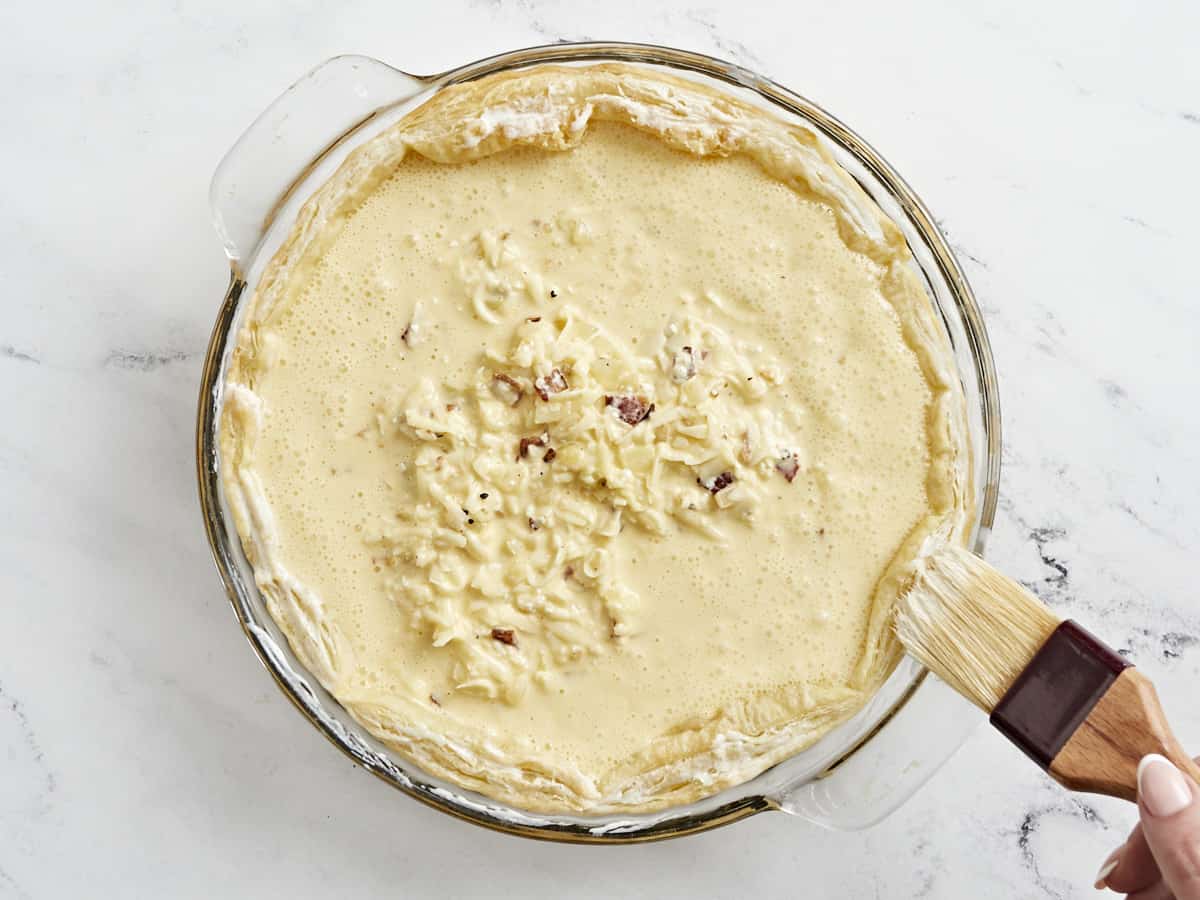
{"x":1127,"y":722}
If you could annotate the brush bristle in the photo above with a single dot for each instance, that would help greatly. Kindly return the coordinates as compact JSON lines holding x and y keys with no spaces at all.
{"x":973,"y":627}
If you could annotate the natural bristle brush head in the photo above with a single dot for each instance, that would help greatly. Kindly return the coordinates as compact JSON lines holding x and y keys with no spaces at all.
{"x":1073,"y":705}
{"x":972,"y":626}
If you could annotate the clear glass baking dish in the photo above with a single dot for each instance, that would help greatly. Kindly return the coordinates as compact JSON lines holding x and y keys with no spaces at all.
{"x":852,"y":777}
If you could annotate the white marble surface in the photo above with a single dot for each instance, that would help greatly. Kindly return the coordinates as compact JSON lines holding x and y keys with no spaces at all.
{"x":143,"y":750}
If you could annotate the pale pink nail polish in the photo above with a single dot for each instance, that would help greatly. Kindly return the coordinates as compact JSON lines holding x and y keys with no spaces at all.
{"x":1107,"y":869}
{"x":1161,"y":787}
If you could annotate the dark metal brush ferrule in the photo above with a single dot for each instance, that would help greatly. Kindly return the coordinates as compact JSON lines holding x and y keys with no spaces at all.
{"x":1056,"y":692}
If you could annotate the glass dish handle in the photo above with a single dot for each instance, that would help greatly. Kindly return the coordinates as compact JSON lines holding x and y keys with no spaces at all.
{"x":302,"y":123}
{"x":890,"y":767}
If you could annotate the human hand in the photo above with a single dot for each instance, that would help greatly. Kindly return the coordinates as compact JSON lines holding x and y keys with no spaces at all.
{"x":1161,"y":858}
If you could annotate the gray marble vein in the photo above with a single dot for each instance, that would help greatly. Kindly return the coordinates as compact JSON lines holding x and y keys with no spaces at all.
{"x":144,"y":361}
{"x":11,"y":887}
{"x":25,"y":751}
{"x":724,"y":45}
{"x":8,"y":351}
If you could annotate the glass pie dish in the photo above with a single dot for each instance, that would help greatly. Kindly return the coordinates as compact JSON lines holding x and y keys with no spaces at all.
{"x":854,"y":775}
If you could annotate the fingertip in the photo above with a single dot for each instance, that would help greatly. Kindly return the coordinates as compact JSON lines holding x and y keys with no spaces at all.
{"x":1106,"y":869}
{"x":1162,"y":789}
{"x":1136,"y":869}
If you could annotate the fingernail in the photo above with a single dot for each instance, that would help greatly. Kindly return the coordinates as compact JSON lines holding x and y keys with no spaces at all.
{"x":1161,"y":786}
{"x":1107,"y":869}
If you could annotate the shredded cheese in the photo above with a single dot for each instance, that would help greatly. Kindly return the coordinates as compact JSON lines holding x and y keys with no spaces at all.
{"x":571,"y":436}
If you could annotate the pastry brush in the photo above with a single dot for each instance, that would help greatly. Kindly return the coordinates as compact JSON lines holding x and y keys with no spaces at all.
{"x":1071,"y":703}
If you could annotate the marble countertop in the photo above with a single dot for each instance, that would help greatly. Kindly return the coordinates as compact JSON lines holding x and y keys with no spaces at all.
{"x":144,"y":752}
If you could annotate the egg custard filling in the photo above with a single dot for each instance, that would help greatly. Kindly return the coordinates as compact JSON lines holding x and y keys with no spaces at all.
{"x":582,"y":434}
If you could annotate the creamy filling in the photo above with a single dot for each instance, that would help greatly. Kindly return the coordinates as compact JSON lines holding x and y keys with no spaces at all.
{"x":581,"y":436}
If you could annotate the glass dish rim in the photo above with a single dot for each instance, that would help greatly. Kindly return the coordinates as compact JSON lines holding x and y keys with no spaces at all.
{"x":224,"y":541}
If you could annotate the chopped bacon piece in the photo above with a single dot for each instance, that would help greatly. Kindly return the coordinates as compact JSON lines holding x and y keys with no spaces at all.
{"x":630,"y":408}
{"x":554,"y":383}
{"x":717,"y":483}
{"x":505,"y":636}
{"x":788,"y":465}
{"x":434,"y":700}
{"x":533,"y":318}
{"x":534,"y":524}
{"x":526,"y":443}
{"x":507,"y":388}
{"x":684,"y":365}
{"x":549,"y":455}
